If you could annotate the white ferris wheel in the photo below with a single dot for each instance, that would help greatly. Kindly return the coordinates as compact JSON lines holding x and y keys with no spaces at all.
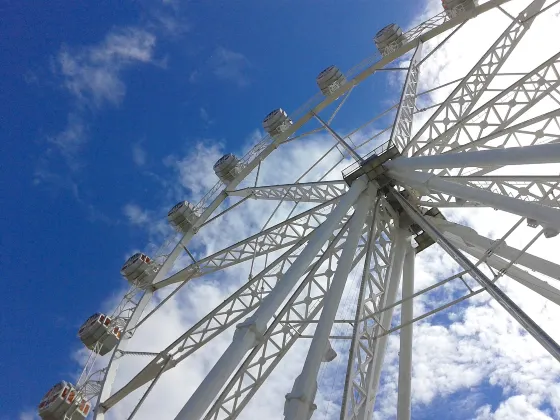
{"x":337,"y":269}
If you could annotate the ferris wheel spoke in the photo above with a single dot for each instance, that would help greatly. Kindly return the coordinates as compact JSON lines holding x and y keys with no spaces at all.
{"x":507,"y":268}
{"x":366,"y":357}
{"x":528,"y":155}
{"x":247,"y":333}
{"x":524,"y":320}
{"x":289,"y":324}
{"x":300,"y":402}
{"x":502,"y":110}
{"x":542,"y":189}
{"x":282,"y":235}
{"x":466,"y":94}
{"x":309,"y":192}
{"x":471,"y":238}
{"x":548,"y":217}
{"x":350,"y":150}
{"x":532,"y":188}
{"x":402,"y":127}
{"x":542,"y":129}
{"x":237,"y":305}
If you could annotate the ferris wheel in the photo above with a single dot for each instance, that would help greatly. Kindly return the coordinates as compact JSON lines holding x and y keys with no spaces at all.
{"x":341,"y":241}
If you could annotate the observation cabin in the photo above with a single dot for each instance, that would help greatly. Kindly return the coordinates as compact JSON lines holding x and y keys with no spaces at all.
{"x":182,"y":216}
{"x":139,"y":269}
{"x":330,"y":80}
{"x":62,"y":402}
{"x":98,"y":334}
{"x":227,"y":168}
{"x":391,"y":34}
{"x":276,"y":122}
{"x":449,"y":5}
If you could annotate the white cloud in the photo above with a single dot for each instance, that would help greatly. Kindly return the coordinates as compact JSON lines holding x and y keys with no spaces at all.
{"x":230,"y":66}
{"x":514,"y":408}
{"x":138,"y":155}
{"x":28,"y":415}
{"x":93,"y":74}
{"x":194,"y":169}
{"x":135,"y":215}
{"x":70,"y":142}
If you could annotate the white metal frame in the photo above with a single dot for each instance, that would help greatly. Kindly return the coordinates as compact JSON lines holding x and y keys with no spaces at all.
{"x":366,"y":224}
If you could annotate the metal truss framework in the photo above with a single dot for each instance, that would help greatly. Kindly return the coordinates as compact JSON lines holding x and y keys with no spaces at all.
{"x":311,"y":192}
{"x":465,"y":96}
{"x":306,"y":259}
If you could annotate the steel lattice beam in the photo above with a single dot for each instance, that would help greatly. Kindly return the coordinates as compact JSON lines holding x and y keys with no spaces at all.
{"x":464,"y":97}
{"x":304,"y":306}
{"x":402,"y":128}
{"x":310,"y":192}
{"x":542,"y":189}
{"x":240,"y":304}
{"x":280,"y":236}
{"x":372,"y":297}
{"x":500,"y":111}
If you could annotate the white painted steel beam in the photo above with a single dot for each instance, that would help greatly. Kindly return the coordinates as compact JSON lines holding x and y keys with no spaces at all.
{"x":531,"y":282}
{"x":375,"y":280}
{"x":248,"y":332}
{"x":405,"y":350}
{"x":300,"y":401}
{"x":309,"y":192}
{"x":365,"y":411}
{"x":547,"y":153}
{"x":299,"y":311}
{"x":402,"y":128}
{"x":282,"y":235}
{"x":546,"y":215}
{"x":501,"y":111}
{"x":541,"y":129}
{"x":471,"y":237}
{"x":544,"y":189}
{"x":515,"y":311}
{"x":466,"y":94}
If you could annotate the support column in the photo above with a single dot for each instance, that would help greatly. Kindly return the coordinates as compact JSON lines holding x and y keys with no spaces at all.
{"x":470,"y":236}
{"x":300,"y":402}
{"x":405,"y":353}
{"x":390,"y":296}
{"x":521,"y":276}
{"x":250,"y":331}
{"x":515,"y":311}
{"x":547,"y":216}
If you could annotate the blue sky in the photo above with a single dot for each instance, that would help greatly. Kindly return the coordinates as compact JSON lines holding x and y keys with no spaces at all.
{"x":102,"y":103}
{"x":76,"y":153}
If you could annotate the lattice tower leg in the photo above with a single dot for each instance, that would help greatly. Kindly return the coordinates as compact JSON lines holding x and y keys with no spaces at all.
{"x":300,"y":402}
{"x":376,"y":364}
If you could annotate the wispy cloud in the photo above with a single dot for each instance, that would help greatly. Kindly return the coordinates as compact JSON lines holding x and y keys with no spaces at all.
{"x":138,"y":154}
{"x":93,"y":73}
{"x":205,"y":116}
{"x":70,"y":141}
{"x":135,"y":215}
{"x":230,"y":66}
{"x":28,"y":415}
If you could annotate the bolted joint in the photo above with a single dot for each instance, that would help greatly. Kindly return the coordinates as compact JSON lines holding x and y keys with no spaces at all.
{"x":293,"y":399}
{"x":299,"y":403}
{"x":249,"y":327}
